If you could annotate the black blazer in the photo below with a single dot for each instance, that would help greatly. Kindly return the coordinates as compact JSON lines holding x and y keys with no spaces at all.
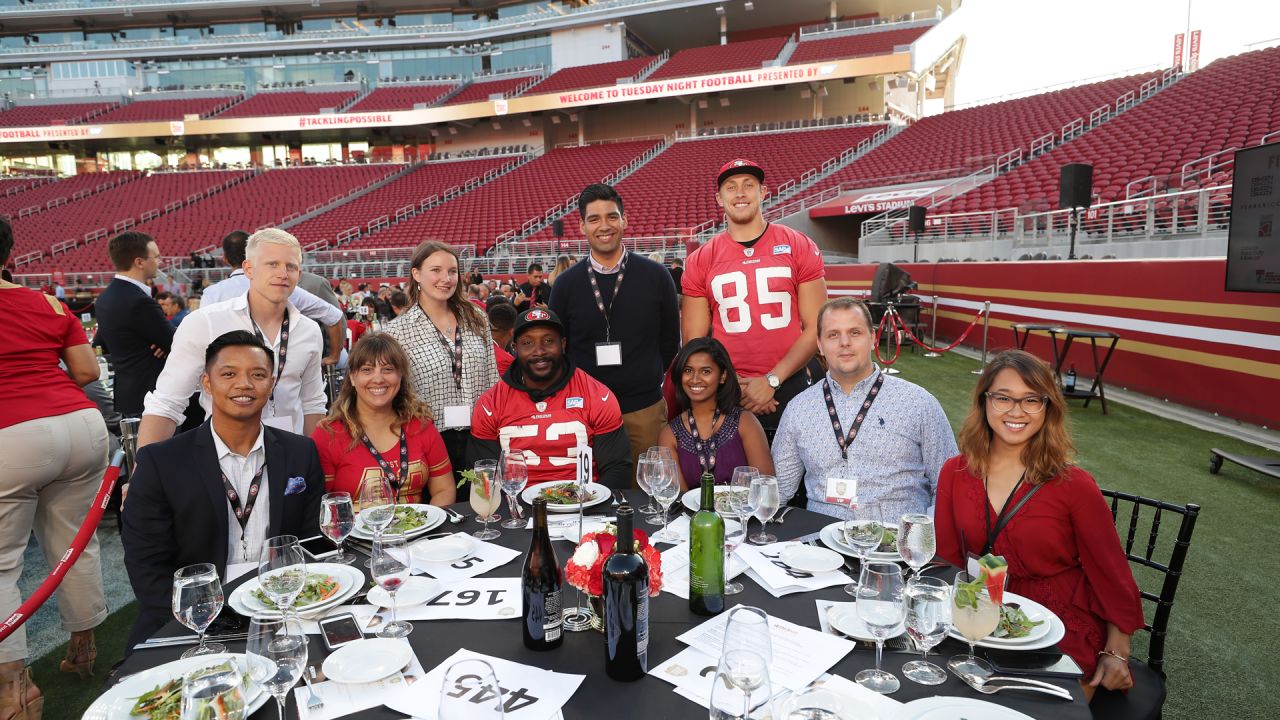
{"x":129,"y":323}
{"x":176,"y":512}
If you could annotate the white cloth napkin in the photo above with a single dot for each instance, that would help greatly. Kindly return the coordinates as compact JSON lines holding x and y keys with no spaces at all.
{"x":342,"y":699}
{"x":484,"y":556}
{"x":767,"y":568}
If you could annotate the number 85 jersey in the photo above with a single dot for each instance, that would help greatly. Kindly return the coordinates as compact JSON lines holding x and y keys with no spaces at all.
{"x":753,"y":293}
{"x":548,"y":431}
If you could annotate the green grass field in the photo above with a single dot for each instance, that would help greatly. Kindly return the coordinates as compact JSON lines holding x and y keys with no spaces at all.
{"x":1216,"y":655}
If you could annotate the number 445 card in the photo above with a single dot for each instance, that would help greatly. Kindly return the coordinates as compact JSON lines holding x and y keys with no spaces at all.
{"x":527,"y":692}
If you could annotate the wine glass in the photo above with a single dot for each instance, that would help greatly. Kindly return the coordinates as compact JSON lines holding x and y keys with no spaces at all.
{"x":377,"y":505}
{"x":928,"y":604}
{"x":276,"y":651}
{"x":486,"y":497}
{"x":812,"y":702}
{"x":763,"y":499}
{"x":650,"y":468}
{"x":209,"y":692}
{"x":466,"y":690}
{"x":337,"y":520}
{"x":974,"y":615}
{"x":515,"y":475}
{"x":747,"y":628}
{"x":197,"y":600}
{"x":282,"y":571}
{"x":391,"y":573}
{"x":916,"y":541}
{"x":863,"y":531}
{"x":735,"y":531}
{"x":740,"y":689}
{"x":880,"y":607}
{"x":666,"y":488}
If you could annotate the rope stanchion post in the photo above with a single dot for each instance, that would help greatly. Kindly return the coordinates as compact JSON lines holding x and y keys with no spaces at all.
{"x":891,"y":319}
{"x":986,"y":326}
{"x":933,"y":329}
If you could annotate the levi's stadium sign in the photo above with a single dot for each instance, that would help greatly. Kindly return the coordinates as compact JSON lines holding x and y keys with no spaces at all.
{"x":872,"y":202}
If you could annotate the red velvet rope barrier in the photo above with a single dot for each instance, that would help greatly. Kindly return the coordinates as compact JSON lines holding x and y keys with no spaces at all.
{"x":87,"y":529}
{"x":880,"y":333}
{"x":959,"y":340}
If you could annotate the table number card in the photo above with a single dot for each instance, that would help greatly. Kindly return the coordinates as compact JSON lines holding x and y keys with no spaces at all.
{"x":584,"y":455}
{"x":472,"y":599}
{"x":484,"y":556}
{"x":528,"y":693}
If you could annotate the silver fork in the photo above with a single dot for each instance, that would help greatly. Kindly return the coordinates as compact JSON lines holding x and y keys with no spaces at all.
{"x":780,"y":517}
{"x":314,"y":703}
{"x":981,"y":686}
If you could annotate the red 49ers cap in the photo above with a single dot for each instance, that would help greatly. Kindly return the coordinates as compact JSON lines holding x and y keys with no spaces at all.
{"x":739,"y":166}
{"x":534,"y":317}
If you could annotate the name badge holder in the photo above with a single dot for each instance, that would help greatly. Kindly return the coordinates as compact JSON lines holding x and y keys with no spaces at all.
{"x":608,"y":354}
{"x":579,"y":618}
{"x":842,"y":490}
{"x":457,"y":417}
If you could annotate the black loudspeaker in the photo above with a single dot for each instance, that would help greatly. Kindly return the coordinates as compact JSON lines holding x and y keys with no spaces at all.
{"x":915,"y":218}
{"x":558,"y":227}
{"x":1075,"y":186}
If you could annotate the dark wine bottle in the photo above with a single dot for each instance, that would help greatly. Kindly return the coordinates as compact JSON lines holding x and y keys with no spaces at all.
{"x":540,"y":587}
{"x":626,"y":605}
{"x":706,"y":554}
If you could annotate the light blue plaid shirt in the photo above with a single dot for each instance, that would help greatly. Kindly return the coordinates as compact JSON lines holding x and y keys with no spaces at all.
{"x":896,"y":457}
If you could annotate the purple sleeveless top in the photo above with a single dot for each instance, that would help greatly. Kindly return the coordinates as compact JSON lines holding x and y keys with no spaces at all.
{"x":729,"y":451}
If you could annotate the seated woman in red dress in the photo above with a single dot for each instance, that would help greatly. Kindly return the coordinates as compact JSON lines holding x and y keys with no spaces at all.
{"x":379,"y":427}
{"x":1061,"y":544}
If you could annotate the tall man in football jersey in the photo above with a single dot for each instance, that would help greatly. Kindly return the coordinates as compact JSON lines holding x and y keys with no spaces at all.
{"x":757,"y":287}
{"x":544,"y":407}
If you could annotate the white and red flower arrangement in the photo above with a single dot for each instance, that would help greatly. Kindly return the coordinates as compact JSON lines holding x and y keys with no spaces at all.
{"x":585,"y":569}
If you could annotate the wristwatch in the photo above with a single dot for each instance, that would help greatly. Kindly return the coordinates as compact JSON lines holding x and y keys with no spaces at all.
{"x":774,"y":382}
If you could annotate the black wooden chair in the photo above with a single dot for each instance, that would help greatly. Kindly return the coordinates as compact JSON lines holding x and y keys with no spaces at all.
{"x":1146,"y":699}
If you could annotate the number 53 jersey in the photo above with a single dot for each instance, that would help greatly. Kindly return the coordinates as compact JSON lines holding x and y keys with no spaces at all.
{"x":753,"y":293}
{"x":547,"y":431}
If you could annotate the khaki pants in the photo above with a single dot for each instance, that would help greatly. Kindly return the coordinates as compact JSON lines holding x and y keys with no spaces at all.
{"x":50,"y":469}
{"x":642,"y":428}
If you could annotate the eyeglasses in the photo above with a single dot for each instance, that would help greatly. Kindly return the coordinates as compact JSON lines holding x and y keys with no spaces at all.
{"x":1032,"y":405}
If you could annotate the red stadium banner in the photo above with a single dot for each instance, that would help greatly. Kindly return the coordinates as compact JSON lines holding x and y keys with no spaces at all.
{"x":1193,"y":52}
{"x":1177,"y":49}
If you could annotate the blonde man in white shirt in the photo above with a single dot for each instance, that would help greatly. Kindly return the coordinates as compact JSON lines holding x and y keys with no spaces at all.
{"x":273,"y":264}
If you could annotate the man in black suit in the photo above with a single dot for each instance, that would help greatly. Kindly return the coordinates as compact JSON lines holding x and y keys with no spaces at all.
{"x":131,"y":326}
{"x":195,"y":498}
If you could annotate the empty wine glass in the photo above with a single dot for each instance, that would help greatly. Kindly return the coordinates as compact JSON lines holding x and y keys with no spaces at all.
{"x":863,"y":531}
{"x":747,"y":628}
{"x":282,"y":571}
{"x":741,"y":689}
{"x":916,"y":541}
{"x":665,"y":485}
{"x":880,"y":608}
{"x":974,"y":615}
{"x":763,"y":499}
{"x":928,"y":604}
{"x":514,"y":474}
{"x":377,"y":505}
{"x":812,"y":703}
{"x":391,"y":567}
{"x":213,"y":692}
{"x":470,"y":691}
{"x":197,"y":600}
{"x":337,"y":520}
{"x":650,"y":468}
{"x":486,"y":497}
{"x":735,"y":531}
{"x":276,"y":652}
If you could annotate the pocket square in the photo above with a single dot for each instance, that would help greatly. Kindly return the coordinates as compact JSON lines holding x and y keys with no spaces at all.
{"x":295,"y":485}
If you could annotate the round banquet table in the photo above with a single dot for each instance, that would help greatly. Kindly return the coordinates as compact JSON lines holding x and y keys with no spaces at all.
{"x":583,"y":652}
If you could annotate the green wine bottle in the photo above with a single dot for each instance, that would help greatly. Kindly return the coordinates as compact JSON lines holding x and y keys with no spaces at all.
{"x":706,"y":554}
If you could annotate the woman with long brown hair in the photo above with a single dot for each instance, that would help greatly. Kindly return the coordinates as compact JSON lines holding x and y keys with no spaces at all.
{"x":1014,"y":491}
{"x":377,"y":427}
{"x":451,"y":360}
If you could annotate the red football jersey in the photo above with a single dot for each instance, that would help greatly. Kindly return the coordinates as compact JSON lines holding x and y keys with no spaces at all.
{"x":547,"y":432}
{"x":753,"y":293}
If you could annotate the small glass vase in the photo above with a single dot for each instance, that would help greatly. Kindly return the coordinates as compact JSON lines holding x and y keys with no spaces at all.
{"x":597,"y":607}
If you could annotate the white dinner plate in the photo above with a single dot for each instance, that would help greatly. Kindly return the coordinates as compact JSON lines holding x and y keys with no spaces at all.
{"x":598,"y":493}
{"x":692,"y":499}
{"x":350,"y":580}
{"x":833,"y":537}
{"x":414,"y":591}
{"x":811,"y":559}
{"x":943,"y":707}
{"x":364,"y":661}
{"x":435,"y":517}
{"x":442,"y":550}
{"x":844,"y":618}
{"x":1042,"y":636}
{"x":116,"y":702}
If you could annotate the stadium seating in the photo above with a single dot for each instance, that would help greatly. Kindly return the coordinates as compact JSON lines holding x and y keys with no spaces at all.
{"x":591,"y":76}
{"x":1232,"y":102}
{"x":481,"y":91}
{"x":432,"y":179}
{"x":63,"y":191}
{"x":507,"y":202}
{"x":847,"y":46}
{"x":160,"y":110}
{"x":400,"y":97}
{"x":720,"y":58}
{"x":288,"y":103}
{"x":266,"y":199}
{"x":43,"y":115}
{"x":13,"y":185}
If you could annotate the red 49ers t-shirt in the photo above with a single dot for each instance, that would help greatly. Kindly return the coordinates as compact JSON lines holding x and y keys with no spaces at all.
{"x":547,"y":432}
{"x":753,"y":293}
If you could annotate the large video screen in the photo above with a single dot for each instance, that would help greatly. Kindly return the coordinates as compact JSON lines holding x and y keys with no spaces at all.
{"x":1253,"y":240}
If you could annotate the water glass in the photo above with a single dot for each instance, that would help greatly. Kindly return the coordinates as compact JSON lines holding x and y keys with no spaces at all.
{"x":486,"y":497}
{"x":928,"y":604}
{"x":276,"y":651}
{"x":197,"y":600}
{"x":470,"y":691}
{"x":665,"y":484}
{"x":650,"y":468}
{"x":337,"y":520}
{"x":863,"y":531}
{"x":763,"y":499}
{"x":741,"y":689}
{"x":880,"y":607}
{"x":514,"y":474}
{"x":208,"y":694}
{"x":391,"y":573}
{"x":282,"y":571}
{"x":916,"y":541}
{"x":975,"y":616}
{"x":377,"y":505}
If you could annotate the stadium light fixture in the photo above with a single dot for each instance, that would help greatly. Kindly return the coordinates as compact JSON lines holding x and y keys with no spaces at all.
{"x":720,"y":10}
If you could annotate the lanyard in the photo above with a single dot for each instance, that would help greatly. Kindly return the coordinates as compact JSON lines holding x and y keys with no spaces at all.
{"x":1006,"y":513}
{"x":617,"y":288}
{"x":396,"y":482}
{"x":455,"y":352}
{"x":242,"y":513}
{"x":841,"y":440}
{"x":708,"y":458}
{"x":281,"y":354}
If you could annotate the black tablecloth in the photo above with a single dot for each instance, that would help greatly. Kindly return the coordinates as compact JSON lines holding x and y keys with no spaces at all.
{"x":583,"y":653}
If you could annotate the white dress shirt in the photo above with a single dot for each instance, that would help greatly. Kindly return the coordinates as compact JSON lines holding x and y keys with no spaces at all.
{"x":298,"y":392}
{"x":141,"y":286}
{"x":308,"y":304}
{"x":239,"y":471}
